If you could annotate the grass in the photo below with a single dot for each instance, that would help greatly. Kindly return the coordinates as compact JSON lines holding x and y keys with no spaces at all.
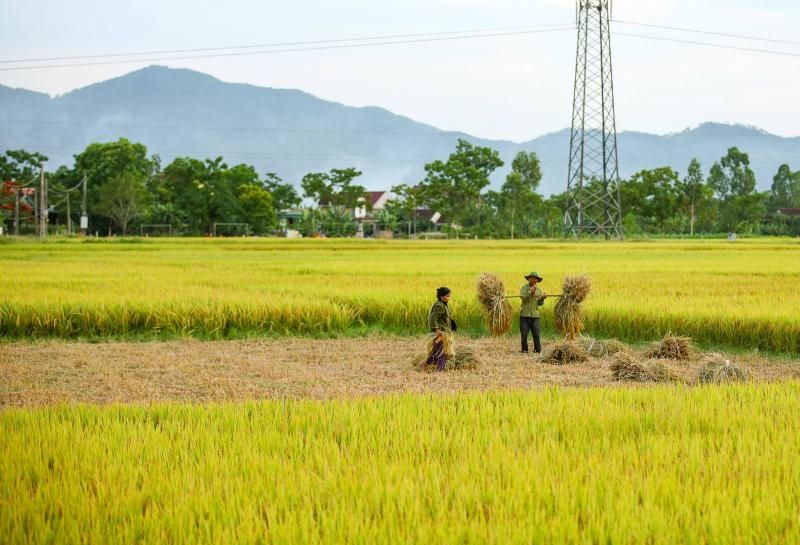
{"x":739,"y":294}
{"x":662,"y":464}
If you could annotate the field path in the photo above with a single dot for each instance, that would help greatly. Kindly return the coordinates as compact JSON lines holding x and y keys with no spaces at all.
{"x":52,"y":372}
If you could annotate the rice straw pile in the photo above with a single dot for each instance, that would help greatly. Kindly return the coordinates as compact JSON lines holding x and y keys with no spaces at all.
{"x":717,"y":369}
{"x":626,"y":367}
{"x":671,"y":347}
{"x":568,"y":313}
{"x":463,"y":357}
{"x":492,"y":297}
{"x":565,"y":352}
{"x":599,"y":348}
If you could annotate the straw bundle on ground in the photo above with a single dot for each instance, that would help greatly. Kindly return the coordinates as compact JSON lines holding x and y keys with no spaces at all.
{"x":463,"y":357}
{"x":627,"y":367}
{"x":718,"y":369}
{"x":565,"y":352}
{"x":445,"y":338}
{"x":568,"y":313}
{"x":492,"y":297}
{"x":601,"y":348}
{"x":671,"y":347}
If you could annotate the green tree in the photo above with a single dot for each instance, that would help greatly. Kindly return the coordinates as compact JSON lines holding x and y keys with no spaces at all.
{"x":103,"y":162}
{"x":785,"y":190}
{"x":454,"y":187}
{"x":518,"y":200}
{"x":284,"y":195}
{"x":21,"y":166}
{"x":123,"y":198}
{"x":652,"y":197}
{"x":335,"y":188}
{"x":404,"y":205}
{"x":733,"y":181}
{"x":697,"y":197}
{"x":257,"y":208}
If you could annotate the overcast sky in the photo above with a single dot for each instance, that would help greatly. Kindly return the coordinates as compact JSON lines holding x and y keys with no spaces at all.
{"x":514,"y":87}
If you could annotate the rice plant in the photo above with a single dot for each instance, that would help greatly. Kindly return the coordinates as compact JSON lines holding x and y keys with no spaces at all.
{"x":664,"y":464}
{"x":246,"y":287}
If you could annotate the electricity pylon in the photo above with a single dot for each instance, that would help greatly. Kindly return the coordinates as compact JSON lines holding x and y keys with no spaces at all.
{"x":593,"y":200}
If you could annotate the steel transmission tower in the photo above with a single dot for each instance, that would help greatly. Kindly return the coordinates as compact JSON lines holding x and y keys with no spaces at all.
{"x":593,"y":201}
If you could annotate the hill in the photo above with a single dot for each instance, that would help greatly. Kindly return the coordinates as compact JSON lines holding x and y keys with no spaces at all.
{"x":177,"y":112}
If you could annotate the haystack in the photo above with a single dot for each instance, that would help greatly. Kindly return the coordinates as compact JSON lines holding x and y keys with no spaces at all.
{"x":717,"y":369}
{"x":492,"y":297}
{"x":565,"y":352}
{"x":601,"y":348}
{"x":568,"y":312}
{"x":671,"y":347}
{"x":627,"y":367}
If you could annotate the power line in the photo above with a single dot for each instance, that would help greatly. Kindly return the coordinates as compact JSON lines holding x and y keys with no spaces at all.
{"x":408,"y":158}
{"x":433,"y":132}
{"x":290,"y":50}
{"x":285,"y":44}
{"x":708,"y":44}
{"x":708,"y":32}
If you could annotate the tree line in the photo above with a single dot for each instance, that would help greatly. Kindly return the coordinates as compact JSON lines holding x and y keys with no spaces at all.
{"x":128,"y":189}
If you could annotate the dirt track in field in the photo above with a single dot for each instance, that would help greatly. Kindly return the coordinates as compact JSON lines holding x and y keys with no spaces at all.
{"x":46,"y":373}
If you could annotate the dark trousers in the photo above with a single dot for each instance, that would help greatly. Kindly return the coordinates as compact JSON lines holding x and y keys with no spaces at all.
{"x":530,"y":324}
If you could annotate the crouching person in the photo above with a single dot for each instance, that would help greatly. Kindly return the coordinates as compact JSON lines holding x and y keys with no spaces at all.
{"x":441,"y":325}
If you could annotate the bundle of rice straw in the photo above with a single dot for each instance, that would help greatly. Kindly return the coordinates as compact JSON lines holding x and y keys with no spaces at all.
{"x":492,"y":297}
{"x":464,"y":357}
{"x":445,"y":338}
{"x":626,"y":367}
{"x":565,"y":352}
{"x":568,"y":315}
{"x":598,"y":348}
{"x":718,"y":369}
{"x":671,"y":347}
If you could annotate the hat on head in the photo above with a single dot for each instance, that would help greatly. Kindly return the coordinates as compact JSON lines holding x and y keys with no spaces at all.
{"x":535,"y":275}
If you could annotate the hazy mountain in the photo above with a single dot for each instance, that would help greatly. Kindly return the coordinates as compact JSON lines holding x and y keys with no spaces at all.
{"x":177,"y":112}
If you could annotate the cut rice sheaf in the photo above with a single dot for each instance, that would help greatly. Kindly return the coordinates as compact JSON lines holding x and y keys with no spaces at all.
{"x":492,"y":297}
{"x":718,"y":369}
{"x":564,"y":353}
{"x":568,"y":312}
{"x":671,"y":347}
{"x":627,"y":367}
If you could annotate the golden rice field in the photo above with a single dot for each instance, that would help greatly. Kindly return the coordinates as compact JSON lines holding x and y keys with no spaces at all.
{"x":660,"y":465}
{"x":743,"y":294}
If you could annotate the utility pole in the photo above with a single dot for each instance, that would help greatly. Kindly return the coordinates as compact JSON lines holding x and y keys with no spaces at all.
{"x":69,"y":217}
{"x":16,"y":210}
{"x":36,"y":210}
{"x":42,"y":204}
{"x":593,"y":196}
{"x":84,"y":217}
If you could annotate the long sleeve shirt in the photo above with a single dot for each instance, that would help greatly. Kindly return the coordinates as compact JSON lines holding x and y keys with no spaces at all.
{"x":439,"y":316}
{"x":531,"y":301}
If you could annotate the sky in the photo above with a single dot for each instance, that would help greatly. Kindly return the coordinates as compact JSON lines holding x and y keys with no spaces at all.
{"x":514,"y":87}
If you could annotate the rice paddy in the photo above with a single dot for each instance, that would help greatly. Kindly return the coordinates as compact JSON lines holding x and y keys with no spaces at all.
{"x":741,"y":294}
{"x":664,"y":464}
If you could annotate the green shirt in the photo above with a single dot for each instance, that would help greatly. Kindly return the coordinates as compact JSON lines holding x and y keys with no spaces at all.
{"x":530,"y":301}
{"x":439,"y":316}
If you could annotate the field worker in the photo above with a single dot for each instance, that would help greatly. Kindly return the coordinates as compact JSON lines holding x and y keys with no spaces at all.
{"x":532,"y":298}
{"x":441,"y":324}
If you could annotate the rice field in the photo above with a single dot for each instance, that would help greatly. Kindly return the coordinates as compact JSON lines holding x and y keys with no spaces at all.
{"x":741,"y":294}
{"x":653,"y":465}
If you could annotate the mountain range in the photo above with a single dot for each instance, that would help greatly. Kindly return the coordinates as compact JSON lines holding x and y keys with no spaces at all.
{"x":180,"y":112}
